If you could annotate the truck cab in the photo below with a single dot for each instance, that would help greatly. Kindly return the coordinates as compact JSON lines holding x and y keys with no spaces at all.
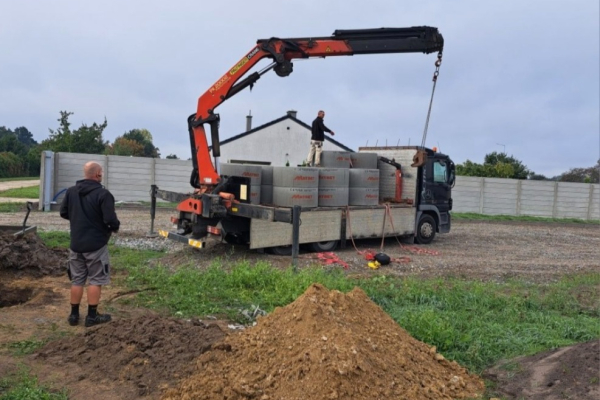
{"x":435,"y":181}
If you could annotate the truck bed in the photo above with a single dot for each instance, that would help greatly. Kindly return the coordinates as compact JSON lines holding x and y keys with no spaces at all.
{"x":325,"y":224}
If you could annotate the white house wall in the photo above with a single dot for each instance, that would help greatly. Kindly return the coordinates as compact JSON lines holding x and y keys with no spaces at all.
{"x":271,"y":144}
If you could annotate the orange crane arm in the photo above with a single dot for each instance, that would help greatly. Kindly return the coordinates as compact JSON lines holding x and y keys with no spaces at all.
{"x":282,"y":51}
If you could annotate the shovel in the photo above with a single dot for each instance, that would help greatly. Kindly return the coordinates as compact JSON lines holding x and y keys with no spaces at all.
{"x":22,"y":232}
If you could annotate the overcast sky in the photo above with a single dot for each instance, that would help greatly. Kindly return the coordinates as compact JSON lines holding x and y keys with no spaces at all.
{"x":520,"y":76}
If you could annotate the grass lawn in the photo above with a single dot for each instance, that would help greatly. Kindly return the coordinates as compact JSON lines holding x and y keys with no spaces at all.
{"x":520,"y":218}
{"x":31,"y":192}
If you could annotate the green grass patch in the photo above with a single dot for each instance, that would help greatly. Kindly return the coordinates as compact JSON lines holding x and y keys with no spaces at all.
{"x":25,"y":347}
{"x":474,"y":323}
{"x":24,"y":386}
{"x":26,"y":178}
{"x":12,"y":207}
{"x":225,"y":293}
{"x":479,"y":323}
{"x":30,"y":192}
{"x":55,"y":238}
{"x":521,"y":218}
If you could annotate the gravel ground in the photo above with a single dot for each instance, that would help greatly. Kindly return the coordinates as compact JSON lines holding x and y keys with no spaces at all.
{"x":537,"y":252}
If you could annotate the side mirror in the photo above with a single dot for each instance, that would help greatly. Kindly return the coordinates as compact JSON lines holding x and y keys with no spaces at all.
{"x":451,"y":174}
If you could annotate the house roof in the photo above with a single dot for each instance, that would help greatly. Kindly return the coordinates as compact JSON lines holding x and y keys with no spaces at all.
{"x":275,"y":121}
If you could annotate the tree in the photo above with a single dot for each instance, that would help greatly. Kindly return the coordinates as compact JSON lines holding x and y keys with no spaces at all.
{"x":538,"y":177}
{"x":10,"y":165}
{"x":172,"y":157}
{"x":85,"y":139}
{"x":502,"y":160}
{"x":584,"y":175}
{"x":495,"y":165}
{"x":33,"y":161}
{"x":143,"y":137}
{"x":4,"y":131}
{"x":25,"y":137}
{"x":125,"y":147}
{"x":10,"y":143}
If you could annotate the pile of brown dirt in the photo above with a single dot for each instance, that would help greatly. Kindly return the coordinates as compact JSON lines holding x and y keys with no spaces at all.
{"x":326,"y":345}
{"x":149,"y":352}
{"x":28,"y":255}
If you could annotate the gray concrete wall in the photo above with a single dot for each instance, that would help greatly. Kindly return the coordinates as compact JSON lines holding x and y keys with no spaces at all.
{"x":495,"y":196}
{"x":129,"y":179}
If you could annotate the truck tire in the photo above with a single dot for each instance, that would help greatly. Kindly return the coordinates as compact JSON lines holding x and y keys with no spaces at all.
{"x":319,"y":247}
{"x":425,"y":229}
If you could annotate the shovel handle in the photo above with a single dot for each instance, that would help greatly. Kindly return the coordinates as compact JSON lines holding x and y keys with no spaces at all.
{"x":29,"y":206}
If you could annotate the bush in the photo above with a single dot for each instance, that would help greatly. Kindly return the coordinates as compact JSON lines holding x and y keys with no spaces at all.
{"x":10,"y":165}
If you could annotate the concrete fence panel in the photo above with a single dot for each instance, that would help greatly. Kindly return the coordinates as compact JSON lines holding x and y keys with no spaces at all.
{"x":495,"y":196}
{"x":129,"y":179}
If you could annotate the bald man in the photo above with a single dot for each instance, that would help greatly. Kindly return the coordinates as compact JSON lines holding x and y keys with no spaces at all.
{"x":90,"y":209}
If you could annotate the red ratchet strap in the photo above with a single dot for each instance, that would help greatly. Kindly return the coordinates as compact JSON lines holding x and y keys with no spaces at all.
{"x":412,"y":249}
{"x":368,"y":254}
{"x":419,"y":250}
{"x":332,"y":258}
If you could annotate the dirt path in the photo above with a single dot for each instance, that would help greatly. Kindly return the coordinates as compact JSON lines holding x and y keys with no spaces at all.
{"x":5,"y":185}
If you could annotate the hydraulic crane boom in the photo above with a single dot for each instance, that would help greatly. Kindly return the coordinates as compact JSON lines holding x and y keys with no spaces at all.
{"x":282,"y":51}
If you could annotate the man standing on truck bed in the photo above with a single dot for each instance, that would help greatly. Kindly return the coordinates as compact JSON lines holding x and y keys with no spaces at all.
{"x":90,"y":209}
{"x":317,"y":139}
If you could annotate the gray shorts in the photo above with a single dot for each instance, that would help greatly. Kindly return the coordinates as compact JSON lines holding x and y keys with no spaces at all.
{"x":94,"y":266}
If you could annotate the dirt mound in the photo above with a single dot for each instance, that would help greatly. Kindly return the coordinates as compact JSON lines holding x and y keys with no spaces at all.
{"x":566,"y":373}
{"x":28,"y":255}
{"x":148,"y":351}
{"x":326,"y":345}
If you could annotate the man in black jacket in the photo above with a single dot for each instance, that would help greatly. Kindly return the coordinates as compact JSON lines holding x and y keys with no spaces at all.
{"x":90,"y":209}
{"x":317,"y":139}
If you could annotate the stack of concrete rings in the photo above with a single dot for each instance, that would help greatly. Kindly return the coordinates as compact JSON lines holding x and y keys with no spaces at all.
{"x":333,"y":187}
{"x":364,"y":187}
{"x":335,"y":159}
{"x":364,"y":160}
{"x":295,"y":186}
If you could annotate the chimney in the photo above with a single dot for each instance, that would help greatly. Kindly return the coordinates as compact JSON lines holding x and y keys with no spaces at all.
{"x":292,"y":113}
{"x":249,"y":121}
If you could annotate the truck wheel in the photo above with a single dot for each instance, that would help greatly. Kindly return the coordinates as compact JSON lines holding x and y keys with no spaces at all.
{"x":323,"y":246}
{"x":425,"y":229}
{"x":280,"y":250}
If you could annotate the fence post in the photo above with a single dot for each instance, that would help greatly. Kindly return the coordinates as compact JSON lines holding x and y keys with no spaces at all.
{"x":590,"y":202}
{"x":105,"y":179}
{"x":555,"y":201}
{"x":519,"y":183}
{"x":47,"y":180}
{"x":153,"y":172}
{"x":481,"y":188}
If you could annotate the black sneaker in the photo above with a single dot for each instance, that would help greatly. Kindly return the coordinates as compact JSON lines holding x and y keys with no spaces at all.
{"x":99,"y":319}
{"x":73,"y":319}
